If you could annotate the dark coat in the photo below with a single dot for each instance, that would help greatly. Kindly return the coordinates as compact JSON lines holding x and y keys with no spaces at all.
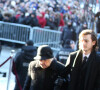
{"x":42,"y":79}
{"x":21,"y":20}
{"x":92,"y":72}
{"x":32,"y":21}
{"x":68,"y":33}
{"x":50,"y":23}
{"x":98,"y":22}
{"x":22,"y":60}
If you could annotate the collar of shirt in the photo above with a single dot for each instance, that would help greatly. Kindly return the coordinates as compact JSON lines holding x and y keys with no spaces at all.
{"x":86,"y":55}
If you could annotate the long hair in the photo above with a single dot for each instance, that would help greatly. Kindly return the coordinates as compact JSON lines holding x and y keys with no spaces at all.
{"x":93,"y":37}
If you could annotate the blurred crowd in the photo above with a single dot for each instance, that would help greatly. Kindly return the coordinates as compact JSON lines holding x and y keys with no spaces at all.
{"x":53,"y":14}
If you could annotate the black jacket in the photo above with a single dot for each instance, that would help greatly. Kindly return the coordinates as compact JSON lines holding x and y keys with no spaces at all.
{"x":91,"y":71}
{"x":42,"y":79}
{"x":32,"y":21}
{"x":68,"y":33}
{"x":22,"y":60}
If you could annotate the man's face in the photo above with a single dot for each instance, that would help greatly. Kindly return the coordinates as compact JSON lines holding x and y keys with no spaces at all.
{"x":45,"y":63}
{"x":86,"y":44}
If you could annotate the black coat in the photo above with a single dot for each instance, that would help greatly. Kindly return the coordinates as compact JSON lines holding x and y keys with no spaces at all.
{"x":42,"y":79}
{"x":32,"y":21}
{"x":92,"y":72}
{"x":68,"y":33}
{"x":21,"y":20}
{"x":22,"y":60}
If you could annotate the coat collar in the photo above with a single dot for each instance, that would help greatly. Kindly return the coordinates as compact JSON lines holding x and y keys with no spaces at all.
{"x":37,"y":64}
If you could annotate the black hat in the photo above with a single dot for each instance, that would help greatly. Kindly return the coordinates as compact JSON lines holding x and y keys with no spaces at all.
{"x":29,"y":43}
{"x":44,"y":52}
{"x":67,"y":41}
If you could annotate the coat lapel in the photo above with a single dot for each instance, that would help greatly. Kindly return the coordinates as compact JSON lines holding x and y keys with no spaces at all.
{"x":75,"y":70}
{"x":91,"y":72}
{"x":78,"y":59}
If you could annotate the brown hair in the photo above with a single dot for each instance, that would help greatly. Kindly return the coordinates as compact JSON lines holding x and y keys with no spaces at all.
{"x":93,"y":36}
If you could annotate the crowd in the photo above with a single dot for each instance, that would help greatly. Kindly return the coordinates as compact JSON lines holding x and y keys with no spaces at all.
{"x":65,"y":71}
{"x":54,"y":14}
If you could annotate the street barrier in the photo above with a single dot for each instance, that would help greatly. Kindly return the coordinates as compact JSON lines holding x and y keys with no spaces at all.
{"x":15,"y":33}
{"x":45,"y":36}
{"x":18,"y":33}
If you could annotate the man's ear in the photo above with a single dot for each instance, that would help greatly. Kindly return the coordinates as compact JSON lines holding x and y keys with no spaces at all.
{"x":94,"y":42}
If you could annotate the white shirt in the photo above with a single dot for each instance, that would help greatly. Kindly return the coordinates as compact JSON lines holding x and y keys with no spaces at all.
{"x":86,"y":56}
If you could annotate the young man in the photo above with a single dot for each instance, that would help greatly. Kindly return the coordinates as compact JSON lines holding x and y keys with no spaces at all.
{"x":84,"y":73}
{"x":43,"y":72}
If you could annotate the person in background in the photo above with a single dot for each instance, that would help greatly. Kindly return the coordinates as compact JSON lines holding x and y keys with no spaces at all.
{"x":97,"y":17}
{"x":68,"y":33}
{"x":43,"y":71}
{"x":41,"y":19}
{"x":64,"y":52}
{"x":83,"y":27}
{"x":22,"y":60}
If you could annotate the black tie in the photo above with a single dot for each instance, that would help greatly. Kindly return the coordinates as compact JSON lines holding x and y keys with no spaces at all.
{"x":84,"y":61}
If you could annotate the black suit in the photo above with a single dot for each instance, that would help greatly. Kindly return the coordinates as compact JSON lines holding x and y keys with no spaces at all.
{"x":87,"y":77}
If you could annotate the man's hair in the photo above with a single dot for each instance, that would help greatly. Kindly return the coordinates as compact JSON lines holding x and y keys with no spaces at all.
{"x":29,"y":43}
{"x":93,"y":36}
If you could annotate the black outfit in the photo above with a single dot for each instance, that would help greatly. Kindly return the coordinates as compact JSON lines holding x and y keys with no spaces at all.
{"x":98,"y":22}
{"x":99,"y":44}
{"x":42,"y":79}
{"x":32,"y":21}
{"x":22,"y":60}
{"x":85,"y":77}
{"x":68,"y":33}
{"x":50,"y":23}
{"x":21,"y":19}
{"x":1,"y":17}
{"x":63,"y":54}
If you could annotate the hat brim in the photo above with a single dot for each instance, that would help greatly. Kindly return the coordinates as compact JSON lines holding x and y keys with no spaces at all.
{"x":41,"y":57}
